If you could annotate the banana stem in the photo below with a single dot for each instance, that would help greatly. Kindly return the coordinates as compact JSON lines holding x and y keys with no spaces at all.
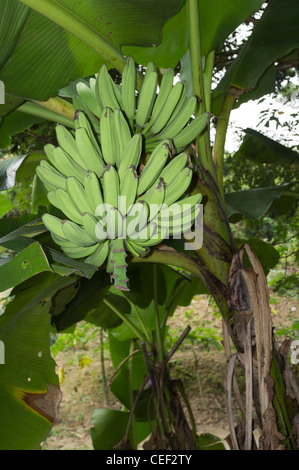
{"x":198,"y":83}
{"x":124,"y":318}
{"x":195,"y":54}
{"x":157,"y":317}
{"x":221,"y":130}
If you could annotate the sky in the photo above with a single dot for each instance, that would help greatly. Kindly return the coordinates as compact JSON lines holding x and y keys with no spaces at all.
{"x":249,"y":115}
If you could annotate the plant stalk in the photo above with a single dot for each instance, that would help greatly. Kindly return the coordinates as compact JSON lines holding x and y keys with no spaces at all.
{"x":221,"y":130}
{"x":123,"y":317}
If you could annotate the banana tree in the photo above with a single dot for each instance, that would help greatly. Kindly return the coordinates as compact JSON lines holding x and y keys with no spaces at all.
{"x":43,"y":73}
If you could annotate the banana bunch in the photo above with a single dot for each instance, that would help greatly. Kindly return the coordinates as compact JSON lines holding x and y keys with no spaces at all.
{"x":157,"y":115}
{"x":112,"y":204}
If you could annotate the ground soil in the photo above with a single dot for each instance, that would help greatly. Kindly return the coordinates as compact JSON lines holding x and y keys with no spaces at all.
{"x":201,"y":369}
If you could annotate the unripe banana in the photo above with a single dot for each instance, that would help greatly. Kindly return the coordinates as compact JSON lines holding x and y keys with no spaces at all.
{"x":176,"y":124}
{"x":82,"y":121}
{"x":136,"y":249}
{"x":165,"y":89}
{"x":64,"y":163}
{"x":154,"y":198}
{"x":190,"y":132}
{"x":78,"y":195}
{"x":76,"y":234}
{"x":61,"y":199}
{"x":107,"y":92}
{"x":146,"y":97}
{"x":99,"y":256}
{"x":168,"y":109}
{"x":173,"y":168}
{"x":108,"y":139}
{"x":51,"y":178}
{"x":81,"y":252}
{"x":67,"y":142}
{"x":122,"y":132}
{"x":54,"y":225}
{"x":93,"y":191}
{"x":154,"y":166}
{"x":110,"y":184}
{"x":128,"y":88}
{"x":178,"y":187}
{"x":90,"y":225}
{"x":128,"y":187}
{"x":88,"y":98}
{"x":131,"y":155}
{"x":90,"y":154}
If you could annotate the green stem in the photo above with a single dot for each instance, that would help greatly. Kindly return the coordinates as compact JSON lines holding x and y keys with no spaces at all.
{"x":221,"y":130}
{"x":104,"y":382}
{"x":207,"y":79}
{"x":124,"y":318}
{"x":36,"y":110}
{"x":198,"y":85}
{"x":195,"y":54}
{"x":131,"y":372}
{"x":143,"y":325}
{"x":157,"y":317}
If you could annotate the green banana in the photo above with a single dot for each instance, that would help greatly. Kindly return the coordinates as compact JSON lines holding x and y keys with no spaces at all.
{"x":51,"y":178}
{"x":165,"y":88}
{"x":82,"y":121}
{"x":93,"y":191}
{"x":154,"y":198}
{"x":80,"y":252}
{"x":128,"y":88}
{"x":107,"y":92}
{"x":154,"y":166}
{"x":180,"y":208}
{"x":128,"y":188}
{"x":131,"y":155}
{"x":88,"y":98}
{"x":146,"y":97}
{"x":190,"y":132}
{"x":175,"y":125}
{"x":178,"y":186}
{"x":122,"y":132}
{"x":61,"y":199}
{"x":172,"y":169}
{"x":110,"y":184}
{"x":62,"y":242}
{"x":76,"y":234}
{"x":168,"y":108}
{"x":64,"y":163}
{"x":54,"y":225}
{"x":90,"y":154}
{"x":100,"y":254}
{"x":90,"y":225}
{"x":136,"y":249}
{"x":108,"y":139}
{"x":67,"y":142}
{"x":78,"y":195}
